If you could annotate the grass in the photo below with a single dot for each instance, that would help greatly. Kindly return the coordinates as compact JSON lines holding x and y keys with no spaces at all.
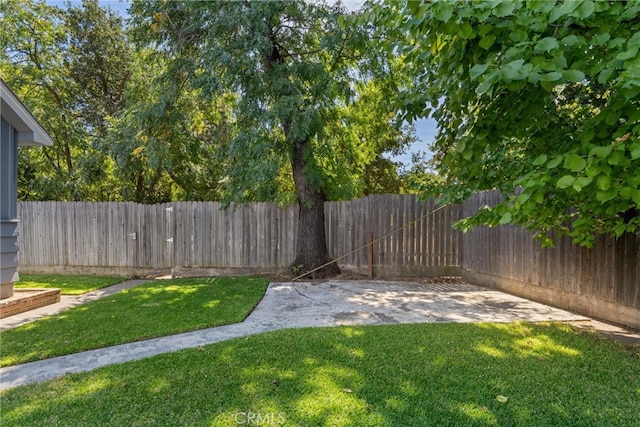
{"x":69,"y":285}
{"x":390,"y":375}
{"x":154,"y":309}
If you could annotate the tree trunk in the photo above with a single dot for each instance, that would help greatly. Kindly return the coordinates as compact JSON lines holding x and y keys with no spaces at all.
{"x":311,"y":244}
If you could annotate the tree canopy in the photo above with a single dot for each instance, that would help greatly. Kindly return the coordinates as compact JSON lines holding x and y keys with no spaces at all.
{"x":536,"y":99}
{"x":136,"y":121}
{"x":70,"y":67}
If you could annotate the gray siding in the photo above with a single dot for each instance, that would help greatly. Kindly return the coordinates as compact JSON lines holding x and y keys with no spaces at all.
{"x":8,"y":252}
{"x":8,"y":172}
{"x":8,"y":204}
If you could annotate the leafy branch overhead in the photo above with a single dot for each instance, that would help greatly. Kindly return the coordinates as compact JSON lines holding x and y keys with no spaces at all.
{"x":537,"y":99}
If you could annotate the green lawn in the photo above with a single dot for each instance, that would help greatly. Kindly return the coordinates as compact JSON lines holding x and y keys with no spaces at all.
{"x":154,"y":309}
{"x":69,"y":285}
{"x":390,"y":375}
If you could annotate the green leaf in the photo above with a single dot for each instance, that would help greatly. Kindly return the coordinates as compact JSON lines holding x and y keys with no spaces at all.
{"x":518,"y":36}
{"x":565,"y":8}
{"x":625,"y":192}
{"x":630,"y":12}
{"x":633,"y":180}
{"x":466,"y":31}
{"x":547,"y":44}
{"x":631,"y":93}
{"x":605,"y":75}
{"x":504,"y":9}
{"x":555,"y":162}
{"x":511,"y":71}
{"x":488,"y":82}
{"x":605,"y":196}
{"x":541,"y":159}
{"x":575,"y":163}
{"x":600,"y":39}
{"x":533,"y":78}
{"x":619,"y":229}
{"x":634,"y":40}
{"x":546,"y":85}
{"x":603,"y":151}
{"x":617,"y":158}
{"x":585,"y":9}
{"x":572,"y":40}
{"x":603,"y":182}
{"x":523,"y":197}
{"x":587,"y":136}
{"x":613,"y":117}
{"x":560,"y":61}
{"x":551,"y":77}
{"x":581,"y":182}
{"x":477,"y":70}
{"x":574,"y":75}
{"x":487,"y":41}
{"x":443,"y":11}
{"x":484,"y":87}
{"x":635,"y":151}
{"x":616,"y":43}
{"x":566,"y":181}
{"x":538,"y":198}
{"x":593,"y":170}
{"x":506,"y":218}
{"x":630,"y":53}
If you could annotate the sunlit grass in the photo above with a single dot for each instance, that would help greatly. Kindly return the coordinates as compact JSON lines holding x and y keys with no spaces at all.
{"x":154,"y":309}
{"x":391,"y":375}
{"x":68,"y":284}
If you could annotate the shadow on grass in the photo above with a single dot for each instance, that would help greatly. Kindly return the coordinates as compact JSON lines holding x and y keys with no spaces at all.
{"x":155,"y":309}
{"x":390,"y":375}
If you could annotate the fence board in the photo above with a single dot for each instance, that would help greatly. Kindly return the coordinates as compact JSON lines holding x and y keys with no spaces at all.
{"x":603,"y":279}
{"x":134,"y":237}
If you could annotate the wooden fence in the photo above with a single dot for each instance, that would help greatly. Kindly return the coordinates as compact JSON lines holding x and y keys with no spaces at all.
{"x":188,"y":238}
{"x":410,"y":237}
{"x":603,"y":281}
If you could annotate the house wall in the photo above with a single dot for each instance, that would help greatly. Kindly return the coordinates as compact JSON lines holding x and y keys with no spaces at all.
{"x":8,"y":208}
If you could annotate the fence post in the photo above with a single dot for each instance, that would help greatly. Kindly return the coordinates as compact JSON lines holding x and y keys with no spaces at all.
{"x":370,"y":255}
{"x":169,"y":233}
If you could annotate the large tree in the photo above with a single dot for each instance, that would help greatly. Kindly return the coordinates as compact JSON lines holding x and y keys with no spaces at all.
{"x":168,"y":142}
{"x":291,"y":67}
{"x":70,"y":67}
{"x":538,"y":99}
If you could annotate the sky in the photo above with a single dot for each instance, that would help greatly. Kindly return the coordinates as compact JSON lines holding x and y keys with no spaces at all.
{"x":425,"y":128}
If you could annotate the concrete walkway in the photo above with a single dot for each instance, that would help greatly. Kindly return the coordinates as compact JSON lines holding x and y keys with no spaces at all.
{"x":302,"y":304}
